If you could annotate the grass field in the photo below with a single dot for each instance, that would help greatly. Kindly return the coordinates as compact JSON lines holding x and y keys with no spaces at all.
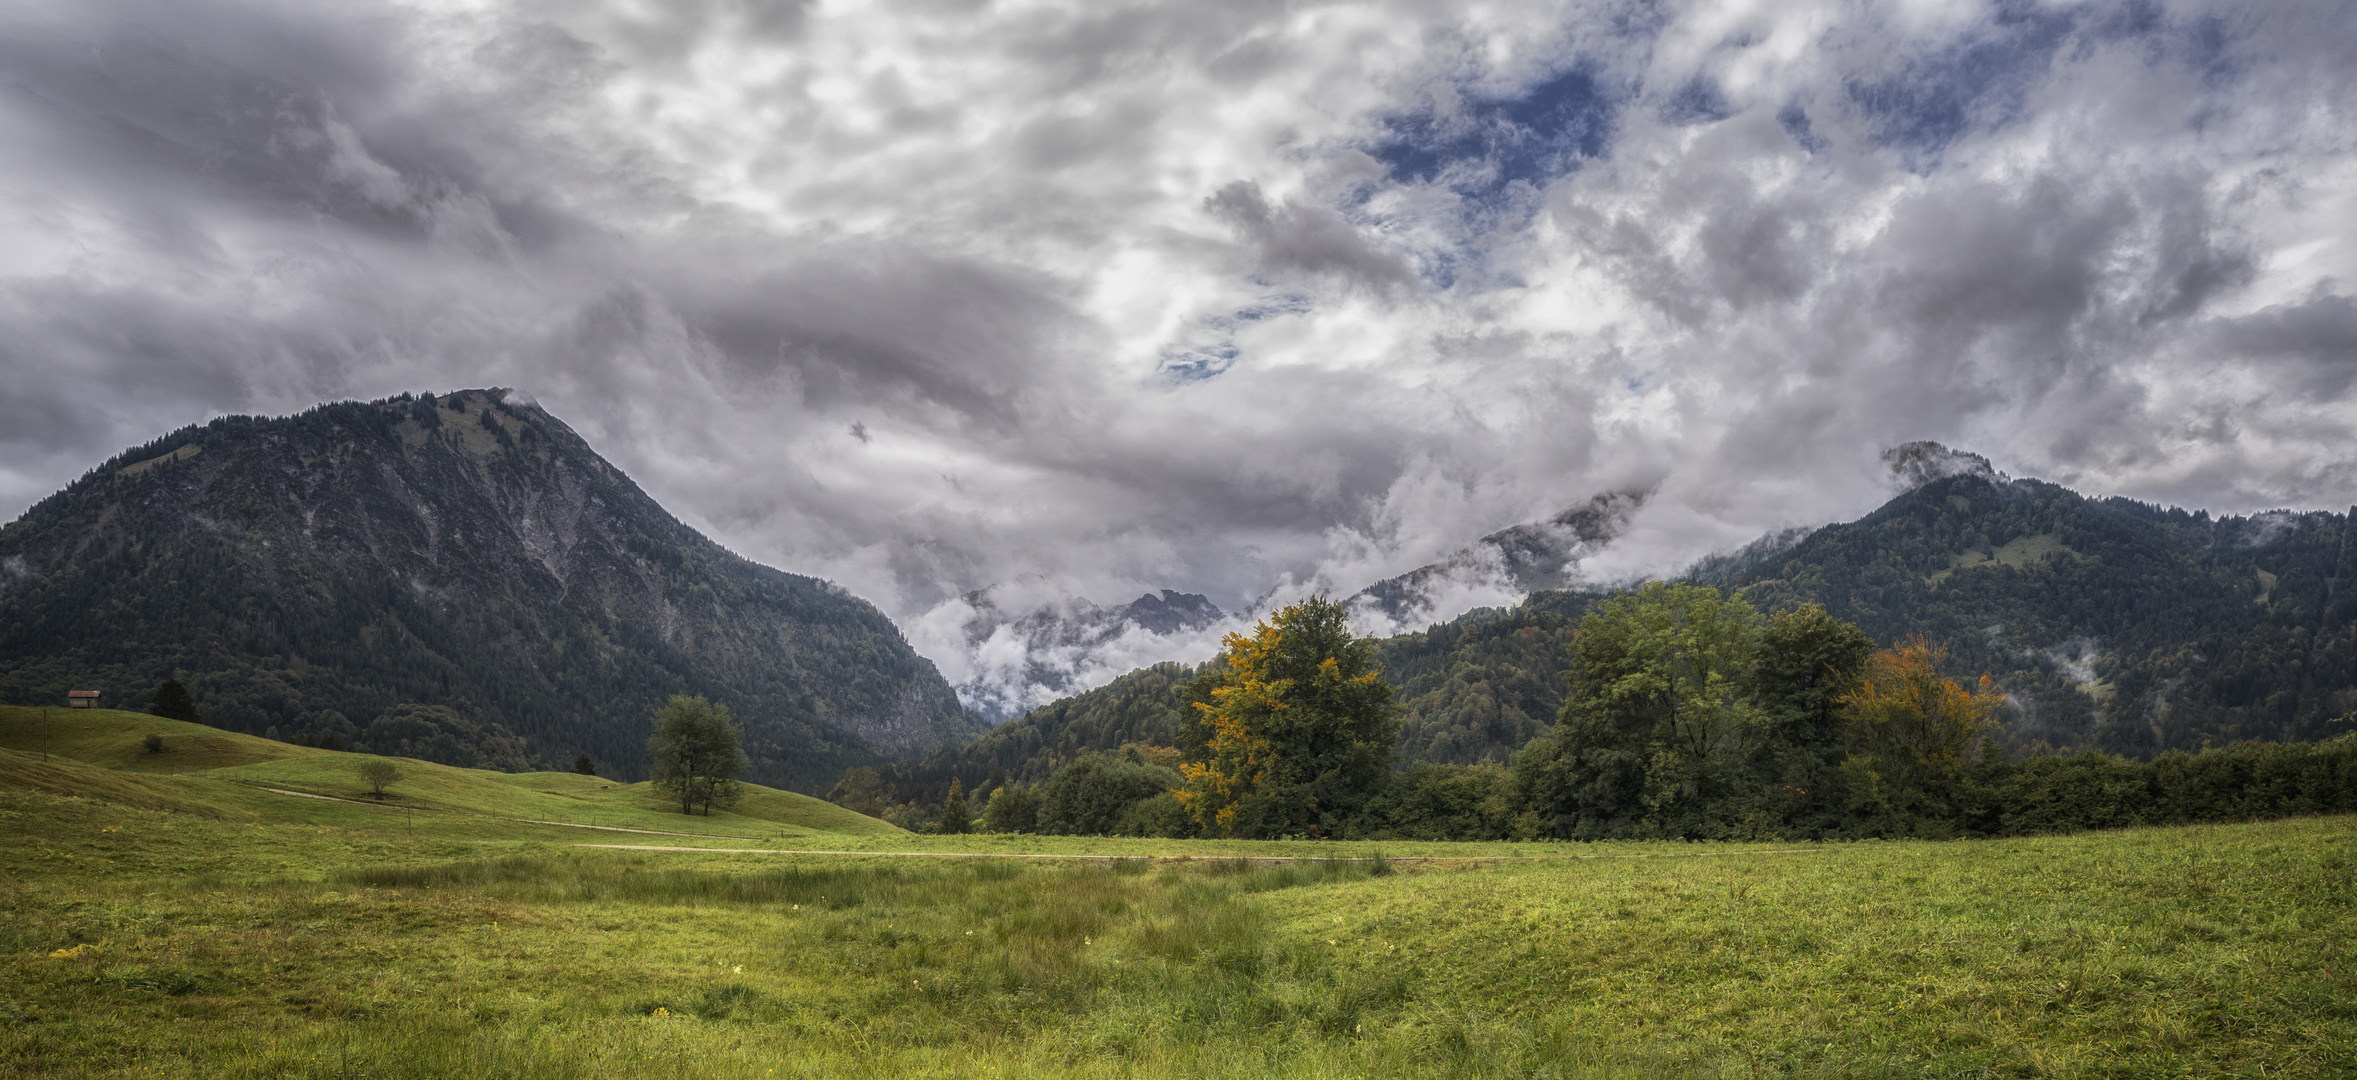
{"x":196,"y":925}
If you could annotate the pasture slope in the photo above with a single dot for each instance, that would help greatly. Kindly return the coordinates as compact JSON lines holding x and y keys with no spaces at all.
{"x":165,"y":920}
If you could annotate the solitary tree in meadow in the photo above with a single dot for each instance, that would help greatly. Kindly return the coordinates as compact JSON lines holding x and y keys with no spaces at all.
{"x":380,"y":775}
{"x":697,"y":754}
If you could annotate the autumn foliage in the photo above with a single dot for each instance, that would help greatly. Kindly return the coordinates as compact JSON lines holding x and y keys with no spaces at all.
{"x":1294,"y":732}
{"x":1916,"y":729}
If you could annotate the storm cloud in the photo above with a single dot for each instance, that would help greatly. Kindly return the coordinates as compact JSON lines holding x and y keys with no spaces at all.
{"x":1239,"y":299}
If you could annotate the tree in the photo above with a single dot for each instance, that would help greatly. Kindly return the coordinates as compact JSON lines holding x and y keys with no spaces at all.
{"x":1292,"y":729}
{"x":1660,"y":717}
{"x":1013,"y":808}
{"x":861,"y":791}
{"x":697,"y":753}
{"x":380,"y":774}
{"x":1808,"y":661}
{"x":1915,"y":729}
{"x":1095,"y":793}
{"x":955,"y":818}
{"x":172,"y":702}
{"x":584,"y":766}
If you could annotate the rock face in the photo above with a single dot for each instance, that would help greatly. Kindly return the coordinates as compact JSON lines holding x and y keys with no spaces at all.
{"x":310,"y":573}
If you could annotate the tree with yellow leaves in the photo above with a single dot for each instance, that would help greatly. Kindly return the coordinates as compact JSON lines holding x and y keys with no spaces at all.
{"x":1293,"y":728}
{"x":1915,"y":730}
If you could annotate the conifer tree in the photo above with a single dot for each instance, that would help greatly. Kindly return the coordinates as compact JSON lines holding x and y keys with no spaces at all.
{"x":172,"y":702}
{"x":955,"y":818}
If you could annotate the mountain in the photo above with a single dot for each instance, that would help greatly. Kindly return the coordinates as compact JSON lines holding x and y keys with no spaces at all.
{"x":2114,"y":624}
{"x":1506,"y":564}
{"x":1020,"y":661}
{"x":457,"y":577}
{"x":2111,"y":624}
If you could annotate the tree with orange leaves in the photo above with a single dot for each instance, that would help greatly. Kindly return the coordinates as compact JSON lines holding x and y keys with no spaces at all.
{"x":1915,"y":729}
{"x":1293,"y":731}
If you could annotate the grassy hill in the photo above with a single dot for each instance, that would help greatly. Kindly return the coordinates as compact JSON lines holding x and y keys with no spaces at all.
{"x":101,"y":753}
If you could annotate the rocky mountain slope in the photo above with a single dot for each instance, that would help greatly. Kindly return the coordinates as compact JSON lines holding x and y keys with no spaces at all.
{"x":462,"y":569}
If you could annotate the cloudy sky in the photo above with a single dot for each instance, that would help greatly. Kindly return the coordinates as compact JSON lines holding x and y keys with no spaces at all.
{"x":1237,"y":298}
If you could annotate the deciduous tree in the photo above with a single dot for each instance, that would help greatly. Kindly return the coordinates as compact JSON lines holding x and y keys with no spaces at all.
{"x":1013,"y":808}
{"x":697,"y":753}
{"x":1293,"y":729}
{"x":380,"y":774}
{"x":1661,"y":717}
{"x":1915,"y":728}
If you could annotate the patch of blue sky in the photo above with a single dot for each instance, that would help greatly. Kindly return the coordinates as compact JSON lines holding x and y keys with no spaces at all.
{"x":1699,"y":101}
{"x":1483,"y":145}
{"x":1217,"y":351}
{"x":1796,"y":124}
{"x":1190,"y":364}
{"x":1981,"y":81}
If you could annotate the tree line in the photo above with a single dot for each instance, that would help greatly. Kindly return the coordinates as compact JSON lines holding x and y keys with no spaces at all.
{"x":1685,"y":713}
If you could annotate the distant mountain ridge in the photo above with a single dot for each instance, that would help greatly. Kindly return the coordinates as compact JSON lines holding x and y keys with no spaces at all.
{"x":2111,"y":624}
{"x":2114,"y":624}
{"x":1519,"y":560}
{"x":466,"y":556}
{"x":1021,"y":660}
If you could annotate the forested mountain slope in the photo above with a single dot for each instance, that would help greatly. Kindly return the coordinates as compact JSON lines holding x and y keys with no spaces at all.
{"x":2113,"y":624}
{"x":460,"y":578}
{"x":2110,"y":624}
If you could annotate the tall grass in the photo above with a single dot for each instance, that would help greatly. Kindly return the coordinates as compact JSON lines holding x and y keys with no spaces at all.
{"x":2208,"y":951}
{"x":989,"y":946}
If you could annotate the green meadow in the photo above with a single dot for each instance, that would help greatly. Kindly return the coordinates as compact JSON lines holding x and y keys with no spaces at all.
{"x":168,"y":914}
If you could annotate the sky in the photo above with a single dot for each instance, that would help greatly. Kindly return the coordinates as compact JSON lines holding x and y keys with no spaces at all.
{"x":1243,"y":299}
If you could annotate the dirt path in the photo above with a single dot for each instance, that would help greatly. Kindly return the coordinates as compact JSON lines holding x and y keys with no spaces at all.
{"x":1417,"y":859}
{"x":336,"y":798}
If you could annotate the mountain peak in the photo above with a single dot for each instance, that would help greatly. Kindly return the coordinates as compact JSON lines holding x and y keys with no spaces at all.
{"x":308,"y":575}
{"x":1923,"y":461}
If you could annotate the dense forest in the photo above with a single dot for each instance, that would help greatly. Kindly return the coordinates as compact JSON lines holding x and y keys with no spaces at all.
{"x":2112,"y":625}
{"x":458,"y":578}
